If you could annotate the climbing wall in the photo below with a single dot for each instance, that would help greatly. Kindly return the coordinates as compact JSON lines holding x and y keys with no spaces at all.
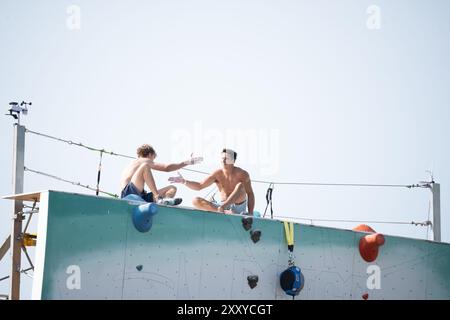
{"x":88,"y":248}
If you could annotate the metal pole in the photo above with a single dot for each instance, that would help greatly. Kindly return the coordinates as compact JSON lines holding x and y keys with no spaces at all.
{"x":436,"y":193}
{"x":16,"y":233}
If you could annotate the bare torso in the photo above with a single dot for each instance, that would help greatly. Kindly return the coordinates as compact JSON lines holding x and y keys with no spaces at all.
{"x":129,"y":171}
{"x":226,"y":181}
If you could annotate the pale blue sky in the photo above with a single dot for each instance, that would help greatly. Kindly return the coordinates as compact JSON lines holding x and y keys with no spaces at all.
{"x":346,"y":104}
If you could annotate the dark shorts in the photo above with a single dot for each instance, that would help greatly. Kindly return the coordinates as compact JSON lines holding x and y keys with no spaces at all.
{"x":130,"y":188}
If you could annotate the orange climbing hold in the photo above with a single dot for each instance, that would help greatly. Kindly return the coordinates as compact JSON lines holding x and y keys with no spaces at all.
{"x":363,"y":228}
{"x":369,"y":244}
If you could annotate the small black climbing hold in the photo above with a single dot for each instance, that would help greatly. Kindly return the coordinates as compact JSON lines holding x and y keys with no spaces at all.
{"x":252,"y":281}
{"x":139,"y":267}
{"x":255,"y":235}
{"x":247,"y":223}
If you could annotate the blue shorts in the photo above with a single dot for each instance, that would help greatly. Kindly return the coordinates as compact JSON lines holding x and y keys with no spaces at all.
{"x":237,"y":208}
{"x":130,"y":188}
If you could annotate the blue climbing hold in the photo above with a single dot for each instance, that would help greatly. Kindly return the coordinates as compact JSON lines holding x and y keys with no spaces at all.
{"x":256,"y":214}
{"x":143,"y":216}
{"x":133,"y":197}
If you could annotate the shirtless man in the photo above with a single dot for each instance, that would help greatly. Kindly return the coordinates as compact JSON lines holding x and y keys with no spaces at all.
{"x":236,"y":193}
{"x":139,"y":173}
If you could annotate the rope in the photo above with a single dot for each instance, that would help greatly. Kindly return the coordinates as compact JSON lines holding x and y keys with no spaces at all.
{"x":268,"y":196}
{"x":78,"y":144}
{"x":338,"y":184}
{"x":300,"y":183}
{"x":325,"y":183}
{"x":423,"y":224}
{"x":197,"y":171}
{"x":71,"y":182}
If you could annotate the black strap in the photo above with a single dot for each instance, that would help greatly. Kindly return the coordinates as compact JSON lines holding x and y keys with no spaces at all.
{"x":99,"y":173}
{"x":269,"y":201}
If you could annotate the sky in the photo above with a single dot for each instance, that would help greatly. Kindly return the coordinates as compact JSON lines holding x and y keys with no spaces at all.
{"x":348,"y":91}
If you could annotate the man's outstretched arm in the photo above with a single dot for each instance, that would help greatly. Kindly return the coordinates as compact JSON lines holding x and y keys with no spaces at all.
{"x":174,"y":166}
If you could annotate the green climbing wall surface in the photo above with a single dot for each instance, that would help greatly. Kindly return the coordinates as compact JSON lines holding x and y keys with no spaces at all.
{"x":88,"y":248}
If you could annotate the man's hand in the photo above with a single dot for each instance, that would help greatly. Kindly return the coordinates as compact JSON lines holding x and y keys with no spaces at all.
{"x":193,"y":160}
{"x":178,"y":179}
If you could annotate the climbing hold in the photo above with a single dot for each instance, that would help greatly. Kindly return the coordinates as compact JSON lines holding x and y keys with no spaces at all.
{"x":365,"y":296}
{"x":369,"y":244}
{"x":139,"y":267}
{"x":252,"y":281}
{"x":292,"y":280}
{"x":256,"y":214}
{"x":247,"y":223}
{"x":133,"y":197}
{"x":255,"y":235}
{"x":363,"y":228}
{"x":143,"y":216}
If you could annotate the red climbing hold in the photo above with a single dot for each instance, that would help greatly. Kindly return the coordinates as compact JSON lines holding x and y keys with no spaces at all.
{"x":369,"y":244}
{"x":365,"y":296}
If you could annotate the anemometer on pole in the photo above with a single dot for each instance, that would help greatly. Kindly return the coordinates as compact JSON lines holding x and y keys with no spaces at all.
{"x":16,"y":109}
